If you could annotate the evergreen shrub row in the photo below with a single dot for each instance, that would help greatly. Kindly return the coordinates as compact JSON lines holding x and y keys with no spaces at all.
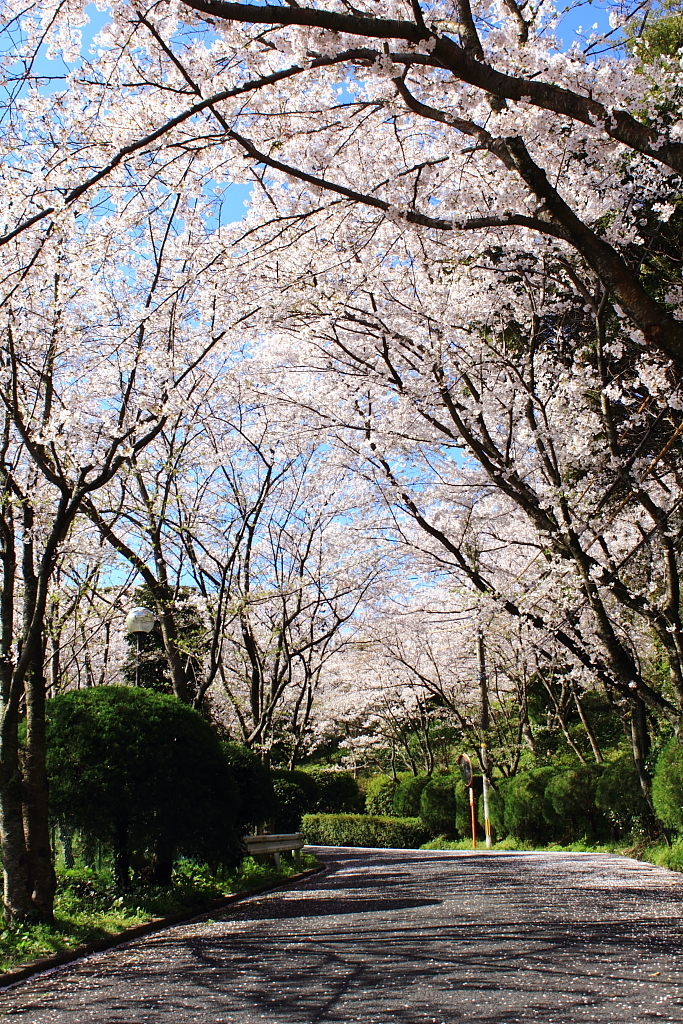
{"x":565,"y":803}
{"x":310,"y":791}
{"x":367,"y":830}
{"x":440,"y":801}
{"x":559,"y":803}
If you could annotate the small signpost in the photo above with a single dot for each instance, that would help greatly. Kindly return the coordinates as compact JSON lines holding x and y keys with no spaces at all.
{"x":465,"y":766}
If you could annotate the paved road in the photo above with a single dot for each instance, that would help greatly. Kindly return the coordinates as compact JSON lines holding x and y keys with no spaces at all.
{"x":401,"y":937}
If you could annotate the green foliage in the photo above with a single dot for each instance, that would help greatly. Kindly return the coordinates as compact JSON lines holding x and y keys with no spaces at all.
{"x":306,"y":782}
{"x":571,"y":795}
{"x":605,"y":723}
{"x":141,"y":771}
{"x":527,"y":813}
{"x":291,"y":803}
{"x":296,"y":793}
{"x":364,"y":830}
{"x":406,"y":802}
{"x":662,"y":854}
{"x":463,"y":819}
{"x":191,"y":640}
{"x":667,"y":786}
{"x":338,"y":791}
{"x":509,"y":843}
{"x":661,"y":37}
{"x":254,"y":784}
{"x":379,"y":795}
{"x":619,"y":796}
{"x":496,"y":808}
{"x":438,"y":805}
{"x":89,"y":906}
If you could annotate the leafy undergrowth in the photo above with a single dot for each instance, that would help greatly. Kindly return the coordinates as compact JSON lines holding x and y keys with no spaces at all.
{"x":663,"y":856}
{"x":88,"y":906}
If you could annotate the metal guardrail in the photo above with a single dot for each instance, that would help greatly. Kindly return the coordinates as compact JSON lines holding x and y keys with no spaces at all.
{"x":276,"y":844}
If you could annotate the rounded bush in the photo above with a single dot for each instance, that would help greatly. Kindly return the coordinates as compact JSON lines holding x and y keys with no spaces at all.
{"x":139,"y":770}
{"x":619,"y":796}
{"x":379,"y":795}
{"x":437,"y":806}
{"x":254,"y":784}
{"x":667,"y":785}
{"x":338,"y":791}
{"x":291,"y":803}
{"x":304,"y":780}
{"x":407,"y":795}
{"x":571,"y":795}
{"x":463,"y":819}
{"x":528,"y":814}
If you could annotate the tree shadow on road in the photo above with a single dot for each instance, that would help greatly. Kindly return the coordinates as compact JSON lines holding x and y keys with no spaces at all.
{"x":380,"y":941}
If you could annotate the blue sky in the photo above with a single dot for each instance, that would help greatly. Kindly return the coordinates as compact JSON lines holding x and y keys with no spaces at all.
{"x":578,"y":18}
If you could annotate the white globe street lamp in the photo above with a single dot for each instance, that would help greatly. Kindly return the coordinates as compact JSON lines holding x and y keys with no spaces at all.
{"x":139,"y":621}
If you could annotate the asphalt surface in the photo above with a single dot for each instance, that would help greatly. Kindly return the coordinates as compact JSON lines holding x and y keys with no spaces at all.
{"x":401,"y":937}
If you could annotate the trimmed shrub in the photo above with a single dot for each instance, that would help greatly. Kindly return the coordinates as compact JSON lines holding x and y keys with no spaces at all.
{"x":496,"y":809}
{"x":571,"y":795}
{"x":379,"y":795}
{"x":438,"y":806}
{"x":144,"y":774}
{"x":291,"y":803}
{"x":667,"y":786}
{"x":528,"y":814}
{"x":407,"y":795}
{"x":304,"y":780}
{"x":254,"y":783}
{"x":364,"y":830}
{"x":463,"y":820}
{"x":339,"y":792}
{"x":619,"y":796}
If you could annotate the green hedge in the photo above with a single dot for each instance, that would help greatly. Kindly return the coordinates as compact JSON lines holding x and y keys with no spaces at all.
{"x":379,"y":795}
{"x":339,"y":792}
{"x":528,"y":814}
{"x":619,"y":796}
{"x":437,"y":805}
{"x":407,"y":795}
{"x":364,"y":830}
{"x":291,"y":803}
{"x":667,"y":786}
{"x":571,"y":795}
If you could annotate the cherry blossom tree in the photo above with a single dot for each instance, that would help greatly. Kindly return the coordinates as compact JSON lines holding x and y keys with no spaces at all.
{"x":101,"y":345}
{"x":460,"y":261}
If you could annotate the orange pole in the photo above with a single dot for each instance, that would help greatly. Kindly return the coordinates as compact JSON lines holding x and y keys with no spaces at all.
{"x":473,"y":816}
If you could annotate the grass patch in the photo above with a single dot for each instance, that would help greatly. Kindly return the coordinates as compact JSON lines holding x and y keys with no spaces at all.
{"x":441,"y":843}
{"x":663,"y":856}
{"x":657,"y":853}
{"x":525,"y":846}
{"x":89,"y":907}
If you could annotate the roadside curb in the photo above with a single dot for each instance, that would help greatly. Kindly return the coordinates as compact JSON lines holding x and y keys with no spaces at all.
{"x":157,"y":924}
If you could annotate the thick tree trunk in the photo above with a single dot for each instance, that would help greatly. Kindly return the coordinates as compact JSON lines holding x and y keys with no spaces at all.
{"x":640,"y":744}
{"x":15,"y":867}
{"x":121,"y":856}
{"x":173,"y":656}
{"x":162,"y":863}
{"x":42,"y":878}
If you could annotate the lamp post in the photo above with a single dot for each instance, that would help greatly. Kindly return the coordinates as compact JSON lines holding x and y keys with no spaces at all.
{"x":139,"y":621}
